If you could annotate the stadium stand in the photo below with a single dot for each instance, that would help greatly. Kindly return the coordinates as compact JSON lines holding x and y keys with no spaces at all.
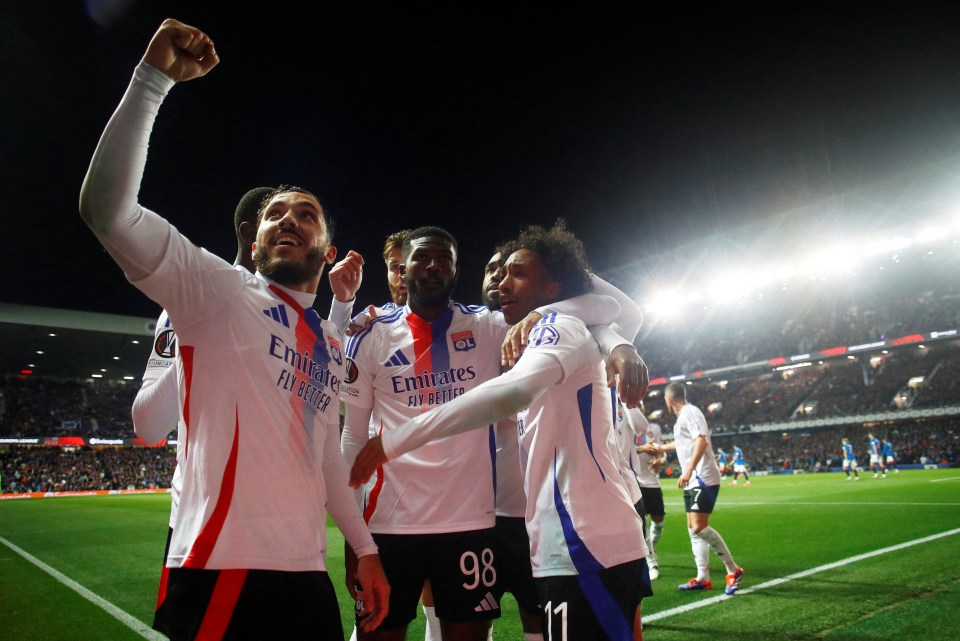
{"x":788,"y":371}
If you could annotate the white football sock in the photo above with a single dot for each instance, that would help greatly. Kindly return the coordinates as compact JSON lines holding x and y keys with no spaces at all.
{"x":717,"y":544}
{"x":701,"y":555}
{"x":432,"y":631}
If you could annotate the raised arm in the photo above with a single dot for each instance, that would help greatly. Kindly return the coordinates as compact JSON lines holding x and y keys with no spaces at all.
{"x":135,"y":237}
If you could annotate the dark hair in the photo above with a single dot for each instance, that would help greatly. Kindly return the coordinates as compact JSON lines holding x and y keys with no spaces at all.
{"x":505,"y":248}
{"x":284,"y":189}
{"x":427,"y":232}
{"x":561,"y":253}
{"x":248,"y":210}
{"x":394,"y":241}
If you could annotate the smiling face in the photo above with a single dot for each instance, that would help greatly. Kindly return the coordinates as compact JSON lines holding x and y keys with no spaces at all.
{"x":430,"y":272}
{"x":526,"y":285}
{"x":292,"y":241}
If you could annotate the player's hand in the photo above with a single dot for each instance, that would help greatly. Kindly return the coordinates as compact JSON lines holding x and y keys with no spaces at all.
{"x":628,"y":372}
{"x":373,"y":599}
{"x":362,"y":321}
{"x":650,"y":448}
{"x":516,"y":339}
{"x":683,"y":480}
{"x":180,"y":51}
{"x":655,"y":465}
{"x":368,"y":460}
{"x":346,"y":276}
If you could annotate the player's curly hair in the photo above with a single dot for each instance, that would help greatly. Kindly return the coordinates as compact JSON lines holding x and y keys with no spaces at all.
{"x":561,"y":253}
{"x":285,"y":188}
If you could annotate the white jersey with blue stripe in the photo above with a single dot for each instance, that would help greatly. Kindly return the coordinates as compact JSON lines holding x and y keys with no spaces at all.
{"x":629,"y":459}
{"x":402,"y":366}
{"x":580,"y":517}
{"x":691,"y":424}
{"x":646,"y":432}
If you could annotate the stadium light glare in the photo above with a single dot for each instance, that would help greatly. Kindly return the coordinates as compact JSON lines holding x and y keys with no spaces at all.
{"x":731,"y":286}
{"x":96,"y":376}
{"x":928,"y":235}
{"x":664,"y":305}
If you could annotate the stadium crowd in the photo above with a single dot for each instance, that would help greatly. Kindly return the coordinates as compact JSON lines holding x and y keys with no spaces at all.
{"x":38,"y":407}
{"x":915,"y":294}
{"x":912,"y":300}
{"x":54,"y":469}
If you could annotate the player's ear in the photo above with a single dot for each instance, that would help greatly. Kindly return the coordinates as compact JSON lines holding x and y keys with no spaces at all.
{"x":331,"y":255}
{"x":248,"y":232}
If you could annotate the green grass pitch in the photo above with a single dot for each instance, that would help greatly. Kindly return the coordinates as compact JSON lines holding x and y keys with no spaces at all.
{"x":814,"y":549}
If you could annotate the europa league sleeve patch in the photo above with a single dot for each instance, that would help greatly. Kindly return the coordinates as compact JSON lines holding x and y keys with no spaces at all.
{"x":352,"y":372}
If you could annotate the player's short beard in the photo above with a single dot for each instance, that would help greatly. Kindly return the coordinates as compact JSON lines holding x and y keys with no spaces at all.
{"x":440,"y":300}
{"x":490,"y":302}
{"x":287,"y":272}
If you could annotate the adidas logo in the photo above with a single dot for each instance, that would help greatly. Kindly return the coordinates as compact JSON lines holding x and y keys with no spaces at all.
{"x":396,"y":360}
{"x":487,"y":603}
{"x":279,"y":314}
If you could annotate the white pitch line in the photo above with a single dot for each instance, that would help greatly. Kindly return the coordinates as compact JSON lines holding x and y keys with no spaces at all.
{"x":136,"y":625}
{"x":798,"y":575}
{"x":951,"y":478}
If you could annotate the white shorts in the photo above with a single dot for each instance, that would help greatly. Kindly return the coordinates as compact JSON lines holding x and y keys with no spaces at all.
{"x":851,"y":463}
{"x":740,"y":469}
{"x":874,"y":458}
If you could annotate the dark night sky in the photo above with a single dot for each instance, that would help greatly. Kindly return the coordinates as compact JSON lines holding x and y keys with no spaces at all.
{"x":646,"y":129}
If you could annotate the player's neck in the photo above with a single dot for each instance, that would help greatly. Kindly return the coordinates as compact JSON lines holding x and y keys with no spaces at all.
{"x":428,"y":313}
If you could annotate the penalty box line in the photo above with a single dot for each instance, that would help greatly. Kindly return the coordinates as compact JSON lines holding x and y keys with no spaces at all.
{"x":134,"y":624}
{"x":799,"y":575}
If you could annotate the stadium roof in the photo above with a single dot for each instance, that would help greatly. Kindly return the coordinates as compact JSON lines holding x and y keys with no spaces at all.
{"x":67,"y":344}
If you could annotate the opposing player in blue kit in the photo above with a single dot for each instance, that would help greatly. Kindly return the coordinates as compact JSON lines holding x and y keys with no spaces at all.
{"x":739,"y":466}
{"x":849,"y":460}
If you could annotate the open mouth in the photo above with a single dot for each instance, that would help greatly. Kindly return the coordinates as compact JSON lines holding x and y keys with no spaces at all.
{"x":287,"y":239}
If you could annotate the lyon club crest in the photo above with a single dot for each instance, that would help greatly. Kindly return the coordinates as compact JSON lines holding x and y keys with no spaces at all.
{"x":335,"y":352}
{"x":463,"y":341}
